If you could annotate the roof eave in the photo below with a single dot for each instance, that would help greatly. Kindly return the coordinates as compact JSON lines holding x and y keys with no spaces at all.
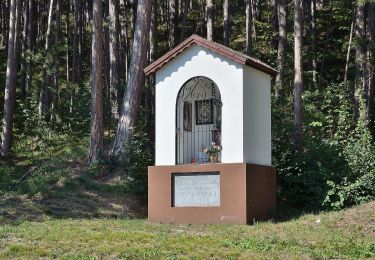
{"x":159,"y":63}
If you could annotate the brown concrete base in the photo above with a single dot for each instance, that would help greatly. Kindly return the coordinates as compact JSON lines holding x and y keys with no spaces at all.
{"x":247,"y":193}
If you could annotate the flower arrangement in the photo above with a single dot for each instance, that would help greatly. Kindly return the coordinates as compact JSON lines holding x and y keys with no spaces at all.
{"x":214,"y":149}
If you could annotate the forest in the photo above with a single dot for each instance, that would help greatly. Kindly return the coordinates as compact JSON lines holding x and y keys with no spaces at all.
{"x":72,"y":76}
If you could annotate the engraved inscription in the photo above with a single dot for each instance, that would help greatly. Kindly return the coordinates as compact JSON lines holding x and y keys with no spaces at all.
{"x":196,"y":190}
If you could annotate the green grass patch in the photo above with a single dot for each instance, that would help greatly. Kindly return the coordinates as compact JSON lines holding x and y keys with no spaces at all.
{"x":336,"y":235}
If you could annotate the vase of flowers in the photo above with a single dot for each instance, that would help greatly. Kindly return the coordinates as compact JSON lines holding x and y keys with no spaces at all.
{"x":213,"y":152}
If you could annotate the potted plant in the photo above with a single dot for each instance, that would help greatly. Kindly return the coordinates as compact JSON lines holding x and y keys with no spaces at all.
{"x":213,"y":152}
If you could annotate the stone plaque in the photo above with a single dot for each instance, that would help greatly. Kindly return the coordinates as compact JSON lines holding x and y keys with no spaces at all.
{"x":196,"y":189}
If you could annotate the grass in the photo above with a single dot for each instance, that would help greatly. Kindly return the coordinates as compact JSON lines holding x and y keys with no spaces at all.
{"x":345,"y":234}
{"x":64,"y":209}
{"x":55,"y":182}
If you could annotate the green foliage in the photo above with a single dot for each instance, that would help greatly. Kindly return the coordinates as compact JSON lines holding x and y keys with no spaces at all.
{"x":141,"y":153}
{"x":337,"y":167}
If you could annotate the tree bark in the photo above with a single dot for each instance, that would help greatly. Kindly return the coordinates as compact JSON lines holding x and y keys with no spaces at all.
{"x":96,"y":82}
{"x":23,"y":51}
{"x":56,"y":74}
{"x":113,"y":56}
{"x":298,"y":70}
{"x":282,"y":6}
{"x":313,"y":42}
{"x":184,"y":18}
{"x":76,"y":75}
{"x":210,"y":19}
{"x":359,"y":63}
{"x":10,"y":83}
{"x":44,"y":95}
{"x":172,"y":24}
{"x":348,"y":55}
{"x":249,"y":27}
{"x":31,"y":39}
{"x":226,"y":22}
{"x":131,"y":101}
{"x":274,"y":20}
{"x":371,"y":88}
{"x":107,"y":61}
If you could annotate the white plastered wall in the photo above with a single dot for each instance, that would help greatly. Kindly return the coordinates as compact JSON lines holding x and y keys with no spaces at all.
{"x":228,"y":76}
{"x":257,"y":116}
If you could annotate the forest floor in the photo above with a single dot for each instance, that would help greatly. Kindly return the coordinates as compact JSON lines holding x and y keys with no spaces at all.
{"x":53,"y":206}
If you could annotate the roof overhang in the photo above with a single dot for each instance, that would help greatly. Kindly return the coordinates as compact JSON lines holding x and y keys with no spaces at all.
{"x":215,"y":47}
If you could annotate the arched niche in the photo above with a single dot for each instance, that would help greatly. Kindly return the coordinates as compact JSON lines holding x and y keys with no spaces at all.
{"x":198,"y":119}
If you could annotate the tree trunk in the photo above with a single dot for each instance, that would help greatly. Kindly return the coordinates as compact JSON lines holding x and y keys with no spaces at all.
{"x":298,"y":70}
{"x":10,"y":83}
{"x":131,"y":101}
{"x":359,"y":63}
{"x":282,"y":16}
{"x":125,"y":47}
{"x":23,"y":53}
{"x":226,"y":22}
{"x":249,"y":27}
{"x":371,"y":88}
{"x":313,"y":42}
{"x":348,"y":55}
{"x":184,"y":18}
{"x":44,"y":95}
{"x":210,"y":19}
{"x":56,"y":74}
{"x":172,"y":24}
{"x":31,"y":39}
{"x":153,"y":31}
{"x":75,"y":48}
{"x":113,"y":56}
{"x":96,"y":82}
{"x":107,"y":61}
{"x":274,"y":20}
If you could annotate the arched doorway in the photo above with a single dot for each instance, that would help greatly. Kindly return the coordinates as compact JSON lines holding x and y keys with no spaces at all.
{"x":198,"y":120}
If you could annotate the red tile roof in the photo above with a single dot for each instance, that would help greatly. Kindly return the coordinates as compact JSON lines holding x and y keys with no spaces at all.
{"x":216,"y":47}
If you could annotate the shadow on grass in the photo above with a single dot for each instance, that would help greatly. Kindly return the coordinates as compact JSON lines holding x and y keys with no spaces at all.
{"x":64,"y":187}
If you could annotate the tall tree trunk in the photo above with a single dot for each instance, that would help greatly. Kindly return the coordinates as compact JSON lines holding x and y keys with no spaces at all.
{"x":153,"y":31}
{"x":114,"y":59}
{"x":348,"y":54}
{"x":107,"y":60}
{"x":282,"y":6}
{"x":44,"y":95}
{"x":359,"y":63}
{"x":56,"y":74}
{"x":31,"y":39}
{"x":96,"y":82}
{"x":23,"y":54}
{"x":75,"y":48}
{"x":371,"y":88}
{"x":10,"y":83}
{"x":298,"y":70}
{"x":184,"y":18}
{"x":153,"y":48}
{"x":274,"y":20}
{"x":210,"y":19}
{"x":249,"y":27}
{"x":226,"y":22}
{"x":313,"y":41}
{"x":125,"y":46}
{"x":172,"y":24}
{"x":322,"y":72}
{"x":131,"y":101}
